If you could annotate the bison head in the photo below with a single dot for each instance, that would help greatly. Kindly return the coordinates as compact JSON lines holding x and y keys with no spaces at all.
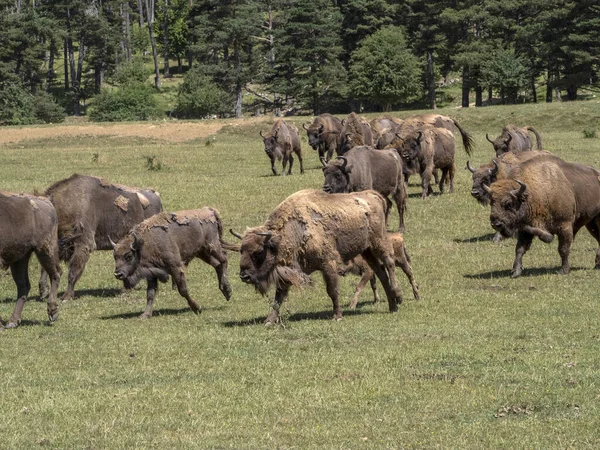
{"x":482,"y":178}
{"x":501,"y":143}
{"x":507,"y":199}
{"x":258,"y":259}
{"x":127,"y":256}
{"x":410,"y":149}
{"x":272,"y":146}
{"x":337,"y":176}
{"x":315,"y":135}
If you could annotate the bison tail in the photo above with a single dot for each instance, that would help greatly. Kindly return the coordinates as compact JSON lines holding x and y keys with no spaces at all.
{"x":467,"y":139}
{"x":538,"y":138}
{"x":229,"y":246}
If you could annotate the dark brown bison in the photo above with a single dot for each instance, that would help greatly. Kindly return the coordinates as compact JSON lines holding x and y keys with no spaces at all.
{"x":90,"y":210}
{"x":384,"y":130}
{"x":324,"y":134}
{"x":427,"y":151}
{"x":364,"y":168}
{"x":513,"y":139}
{"x":315,"y":231}
{"x":358,"y":266}
{"x":28,"y":224}
{"x":165,"y":244}
{"x":419,"y":123}
{"x":547,"y":197}
{"x":280,"y":143}
{"x":356,"y":132}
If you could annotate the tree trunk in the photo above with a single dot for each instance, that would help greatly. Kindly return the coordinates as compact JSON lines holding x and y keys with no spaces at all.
{"x":465,"y":87}
{"x":431,"y":81}
{"x":179,"y":65}
{"x":167,"y":70}
{"x":127,"y":30}
{"x":98,"y":77}
{"x":153,"y":44}
{"x":66,"y":64}
{"x":238,"y":86}
{"x":478,"y":96}
{"x":533,"y":90}
{"x":51,"y":74}
{"x":490,"y":95}
{"x":558,"y":95}
{"x":571,"y":93}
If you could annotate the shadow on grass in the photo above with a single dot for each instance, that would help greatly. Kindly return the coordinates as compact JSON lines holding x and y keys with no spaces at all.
{"x":159,"y":312}
{"x":297,"y":317}
{"x":418,"y":194}
{"x":485,"y":237}
{"x":99,"y":292}
{"x":532,"y":272}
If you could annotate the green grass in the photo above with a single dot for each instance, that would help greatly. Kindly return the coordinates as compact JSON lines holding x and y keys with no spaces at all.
{"x":482,"y":361}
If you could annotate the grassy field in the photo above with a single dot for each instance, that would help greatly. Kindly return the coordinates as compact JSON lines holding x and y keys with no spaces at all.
{"x":482,"y":361}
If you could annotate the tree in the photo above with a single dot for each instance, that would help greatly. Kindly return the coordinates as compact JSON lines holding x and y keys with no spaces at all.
{"x":383,"y":69}
{"x":506,"y":72}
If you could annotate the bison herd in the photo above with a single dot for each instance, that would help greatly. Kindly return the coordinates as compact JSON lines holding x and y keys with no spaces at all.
{"x":337,"y":230}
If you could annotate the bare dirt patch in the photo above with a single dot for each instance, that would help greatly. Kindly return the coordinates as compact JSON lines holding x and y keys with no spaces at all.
{"x":171,"y":131}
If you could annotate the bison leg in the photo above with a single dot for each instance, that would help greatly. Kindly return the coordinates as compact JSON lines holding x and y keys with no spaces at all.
{"x":273,"y":165}
{"x":388,"y":282}
{"x":367,"y":275}
{"x":19,"y":271}
{"x":523,"y":244}
{"x":51,"y":265}
{"x":299,"y":153}
{"x":291,"y":158}
{"x":332,"y":284}
{"x":388,"y":208}
{"x":150,"y":295}
{"x":280,"y":295}
{"x":80,"y":258}
{"x":402,"y":262}
{"x":218,"y":260}
{"x":43,"y":285}
{"x":595,"y":231}
{"x":400,"y":200}
{"x":179,"y":278}
{"x":565,"y":240}
{"x":451,"y":173}
{"x":426,"y":184}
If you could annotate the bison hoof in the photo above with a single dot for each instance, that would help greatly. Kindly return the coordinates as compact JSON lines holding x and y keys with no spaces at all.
{"x":516,"y":273}
{"x":226,"y":291}
{"x":145,"y":316}
{"x":12,"y":325}
{"x":53,"y":316}
{"x":497,"y":238}
{"x":563,"y":271}
{"x":66,"y":297}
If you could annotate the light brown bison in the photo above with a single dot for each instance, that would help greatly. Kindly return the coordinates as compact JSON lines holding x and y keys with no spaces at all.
{"x":515,"y":140}
{"x":28,"y":224}
{"x":358,"y":266}
{"x":323,"y":135}
{"x":165,"y":244}
{"x":280,"y":143}
{"x":414,"y":124}
{"x":315,"y":231}
{"x":364,"y":168}
{"x":547,"y":197}
{"x":90,"y":210}
{"x":355,"y":132}
{"x":384,"y":130}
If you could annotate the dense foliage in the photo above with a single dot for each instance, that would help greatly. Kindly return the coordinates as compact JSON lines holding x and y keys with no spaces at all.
{"x":305,"y":55}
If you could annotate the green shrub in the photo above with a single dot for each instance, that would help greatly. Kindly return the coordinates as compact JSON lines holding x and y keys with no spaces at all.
{"x":16,"y":105}
{"x":46,"y":109}
{"x":589,"y":133}
{"x":132,"y":71}
{"x":153,"y":162}
{"x":199,"y":96}
{"x":134,"y":101}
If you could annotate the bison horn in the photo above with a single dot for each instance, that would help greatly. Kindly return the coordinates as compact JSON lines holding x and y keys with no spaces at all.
{"x":321,"y":128}
{"x":521,"y":190}
{"x":267,"y":236}
{"x":508,"y":139}
{"x":276,"y":133}
{"x":488,"y":138}
{"x":494,"y":171}
{"x":487,"y":188}
{"x":398,"y":135}
{"x":419,"y":136}
{"x":304,"y":126}
{"x":237,"y":235}
{"x":114,"y":246}
{"x":343,"y":121}
{"x":470,"y":168}
{"x":344,"y":161}
{"x":261,"y":134}
{"x":323,"y":161}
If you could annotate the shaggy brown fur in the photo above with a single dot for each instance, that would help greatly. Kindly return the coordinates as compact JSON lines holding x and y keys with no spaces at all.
{"x":165,"y":244}
{"x":515,"y":140}
{"x":28,"y":224}
{"x":384,"y":130}
{"x":358,"y":266}
{"x":314,"y":231}
{"x":419,"y":123}
{"x":324,"y":134}
{"x":91,"y":211}
{"x":280,"y":143}
{"x":356,"y":132}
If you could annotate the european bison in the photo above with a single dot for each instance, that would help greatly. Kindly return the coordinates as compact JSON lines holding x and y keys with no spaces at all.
{"x":515,"y":140}
{"x":165,"y":244}
{"x":364,"y":168}
{"x":315,"y":231}
{"x":28,"y":224}
{"x":384,"y":130}
{"x":89,"y":210}
{"x":356,"y":132}
{"x":324,"y":134}
{"x":280,"y":143}
{"x":414,"y":124}
{"x":547,"y":197}
{"x":358,"y":266}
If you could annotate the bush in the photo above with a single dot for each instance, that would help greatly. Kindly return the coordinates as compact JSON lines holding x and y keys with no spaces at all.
{"x":132,"y":71}
{"x":47,"y":110}
{"x":589,"y":133}
{"x":16,"y":105}
{"x":134,"y":101}
{"x":199,"y":97}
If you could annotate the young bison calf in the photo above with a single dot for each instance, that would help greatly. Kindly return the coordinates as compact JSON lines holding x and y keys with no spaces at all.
{"x":358,"y":266}
{"x":165,"y":244}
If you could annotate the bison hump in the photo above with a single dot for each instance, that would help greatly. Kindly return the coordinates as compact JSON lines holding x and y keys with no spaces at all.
{"x":122,"y":203}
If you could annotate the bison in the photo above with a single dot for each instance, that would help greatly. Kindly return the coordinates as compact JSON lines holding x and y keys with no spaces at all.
{"x":359,"y":266}
{"x":89,"y":210}
{"x":545,"y":198}
{"x":384,"y":130}
{"x":414,"y":124}
{"x":165,"y":244}
{"x":28,"y":224}
{"x":515,"y":140}
{"x":280,"y":143}
{"x":324,"y":134}
{"x":364,"y":168}
{"x":356,"y":132}
{"x":315,"y":231}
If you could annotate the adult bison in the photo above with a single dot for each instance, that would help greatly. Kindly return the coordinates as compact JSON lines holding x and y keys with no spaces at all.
{"x":315,"y":231}
{"x":546,"y":198}
{"x":28,"y":224}
{"x":515,"y":140}
{"x":427,"y":151}
{"x":90,"y":211}
{"x":323,"y":135}
{"x":417,"y":123}
{"x":359,"y":266}
{"x":384,"y":130}
{"x":165,"y":244}
{"x":280,"y":143}
{"x":355,"y":132}
{"x":364,"y":168}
